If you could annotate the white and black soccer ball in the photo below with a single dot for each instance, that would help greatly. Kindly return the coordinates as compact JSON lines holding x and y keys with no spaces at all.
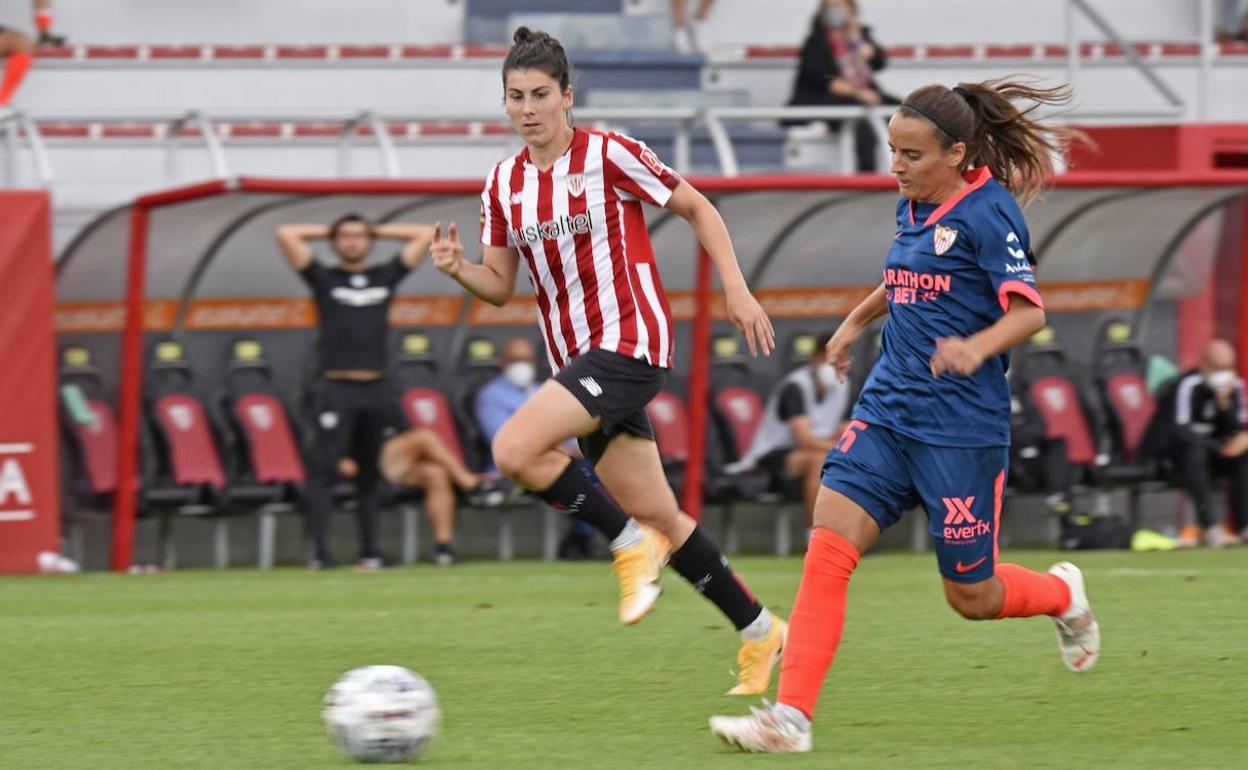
{"x":381,"y":713}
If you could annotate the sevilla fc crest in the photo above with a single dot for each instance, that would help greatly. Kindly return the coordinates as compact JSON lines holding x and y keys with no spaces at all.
{"x":943,"y":238}
{"x":576,"y":185}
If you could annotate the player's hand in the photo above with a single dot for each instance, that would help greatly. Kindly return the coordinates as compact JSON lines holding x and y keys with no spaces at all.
{"x":954,"y":355}
{"x":448,"y":252}
{"x":1235,"y":446}
{"x":837,"y":349}
{"x":751,"y":320}
{"x":869,"y":97}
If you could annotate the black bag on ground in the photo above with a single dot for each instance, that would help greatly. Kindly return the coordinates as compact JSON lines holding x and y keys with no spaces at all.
{"x":1088,"y":533}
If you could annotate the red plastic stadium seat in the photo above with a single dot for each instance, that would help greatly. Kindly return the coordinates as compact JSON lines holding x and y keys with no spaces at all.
{"x":1059,"y":404}
{"x":98,"y":442}
{"x":1133,"y":406}
{"x":742,"y":409}
{"x":671,"y":426}
{"x":192,"y":451}
{"x":274,"y":454}
{"x":428,"y":408}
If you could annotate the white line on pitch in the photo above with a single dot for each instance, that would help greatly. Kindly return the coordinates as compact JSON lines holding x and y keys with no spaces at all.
{"x":1171,"y":572}
{"x":16,"y":449}
{"x":16,"y":515}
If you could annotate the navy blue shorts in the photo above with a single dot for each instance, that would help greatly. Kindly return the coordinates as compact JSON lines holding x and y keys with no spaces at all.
{"x":888,"y":473}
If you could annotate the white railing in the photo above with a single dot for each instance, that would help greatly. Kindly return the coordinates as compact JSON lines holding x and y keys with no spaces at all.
{"x":18,"y":127}
{"x":14,"y":127}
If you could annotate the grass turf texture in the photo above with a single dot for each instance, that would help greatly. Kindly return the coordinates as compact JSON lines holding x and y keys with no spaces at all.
{"x":227,"y":669}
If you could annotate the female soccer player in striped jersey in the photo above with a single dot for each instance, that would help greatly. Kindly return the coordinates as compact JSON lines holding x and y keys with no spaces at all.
{"x":569,"y":207}
{"x":932,"y":424}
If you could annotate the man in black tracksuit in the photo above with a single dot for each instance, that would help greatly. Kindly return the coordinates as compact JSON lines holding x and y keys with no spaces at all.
{"x":355,"y":407}
{"x":1204,"y":415}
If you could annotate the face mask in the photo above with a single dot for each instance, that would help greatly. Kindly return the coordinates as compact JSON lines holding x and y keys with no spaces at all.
{"x":1222,"y":380}
{"x":521,"y":373}
{"x":826,"y":375}
{"x":835,"y":16}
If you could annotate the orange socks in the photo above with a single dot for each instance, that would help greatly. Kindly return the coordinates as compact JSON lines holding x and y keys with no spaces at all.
{"x":1030,"y":593}
{"x":14,"y":71}
{"x":43,"y":20}
{"x":817,"y":619}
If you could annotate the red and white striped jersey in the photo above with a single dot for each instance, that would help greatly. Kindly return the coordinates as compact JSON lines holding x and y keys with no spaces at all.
{"x":580,"y":229}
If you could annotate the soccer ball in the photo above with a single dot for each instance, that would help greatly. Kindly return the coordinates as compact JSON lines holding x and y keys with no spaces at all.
{"x":381,"y":713}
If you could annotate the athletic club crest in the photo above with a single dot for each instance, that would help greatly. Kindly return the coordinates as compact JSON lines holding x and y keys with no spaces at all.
{"x":943,"y":238}
{"x":576,"y":184}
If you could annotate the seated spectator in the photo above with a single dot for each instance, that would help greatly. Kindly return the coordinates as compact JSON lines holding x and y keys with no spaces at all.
{"x":801,"y":424}
{"x":499,"y":399}
{"x":836,"y":68}
{"x":418,"y":459}
{"x":19,"y":49}
{"x":1202,"y":418}
{"x":687,"y":36}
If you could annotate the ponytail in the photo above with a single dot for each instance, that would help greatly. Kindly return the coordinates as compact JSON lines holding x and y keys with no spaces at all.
{"x":1015,"y":147}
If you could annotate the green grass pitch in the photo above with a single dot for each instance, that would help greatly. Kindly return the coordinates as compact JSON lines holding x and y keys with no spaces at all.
{"x":226,"y":670}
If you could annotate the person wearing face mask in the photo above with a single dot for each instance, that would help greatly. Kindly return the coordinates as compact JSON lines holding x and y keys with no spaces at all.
{"x":500,"y":398}
{"x":803,"y":419}
{"x":1205,"y":413}
{"x":836,"y":68}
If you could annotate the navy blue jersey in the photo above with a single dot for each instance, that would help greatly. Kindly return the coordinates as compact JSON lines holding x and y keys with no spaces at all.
{"x":949,"y":273}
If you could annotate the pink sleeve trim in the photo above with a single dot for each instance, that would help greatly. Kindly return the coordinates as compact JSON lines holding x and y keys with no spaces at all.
{"x":1025,"y":290}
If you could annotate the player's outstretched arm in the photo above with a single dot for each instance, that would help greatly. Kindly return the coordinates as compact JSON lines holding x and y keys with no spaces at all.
{"x":842,"y":342}
{"x":292,"y":241}
{"x":493,"y":280}
{"x":419,"y":238}
{"x":743,"y":309}
{"x":958,"y":355}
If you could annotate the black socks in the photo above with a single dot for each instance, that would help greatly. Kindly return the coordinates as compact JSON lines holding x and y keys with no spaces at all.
{"x":580,"y":493}
{"x":700,"y":562}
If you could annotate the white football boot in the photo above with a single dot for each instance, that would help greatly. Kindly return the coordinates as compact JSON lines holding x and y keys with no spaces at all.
{"x":771,"y":729}
{"x":1078,"y":635}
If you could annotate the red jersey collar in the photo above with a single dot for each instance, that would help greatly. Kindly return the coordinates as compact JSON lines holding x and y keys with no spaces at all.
{"x":978,"y":177}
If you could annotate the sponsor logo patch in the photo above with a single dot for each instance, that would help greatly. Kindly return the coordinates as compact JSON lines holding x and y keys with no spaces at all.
{"x":960,"y":524}
{"x":591,"y":386}
{"x":553,"y":229}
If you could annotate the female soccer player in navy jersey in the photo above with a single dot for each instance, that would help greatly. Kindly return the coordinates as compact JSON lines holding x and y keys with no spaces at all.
{"x":932,"y":424}
{"x":569,"y":207}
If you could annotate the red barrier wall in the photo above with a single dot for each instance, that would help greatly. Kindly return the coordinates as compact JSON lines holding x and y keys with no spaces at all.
{"x":1193,"y":148}
{"x":29,"y":504}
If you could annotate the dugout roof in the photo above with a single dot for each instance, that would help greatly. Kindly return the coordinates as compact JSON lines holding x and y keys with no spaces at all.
{"x":1108,"y":242}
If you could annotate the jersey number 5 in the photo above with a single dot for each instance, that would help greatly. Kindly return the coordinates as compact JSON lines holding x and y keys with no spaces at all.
{"x":850,"y":435}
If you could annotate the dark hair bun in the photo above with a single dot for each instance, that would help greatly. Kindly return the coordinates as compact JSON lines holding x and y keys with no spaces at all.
{"x":524,"y":35}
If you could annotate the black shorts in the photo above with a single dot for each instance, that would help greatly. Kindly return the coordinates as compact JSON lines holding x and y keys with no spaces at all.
{"x":352,"y":419}
{"x":615,"y":388}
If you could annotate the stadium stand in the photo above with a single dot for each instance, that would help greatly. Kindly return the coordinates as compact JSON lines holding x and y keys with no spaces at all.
{"x":1129,"y":249}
